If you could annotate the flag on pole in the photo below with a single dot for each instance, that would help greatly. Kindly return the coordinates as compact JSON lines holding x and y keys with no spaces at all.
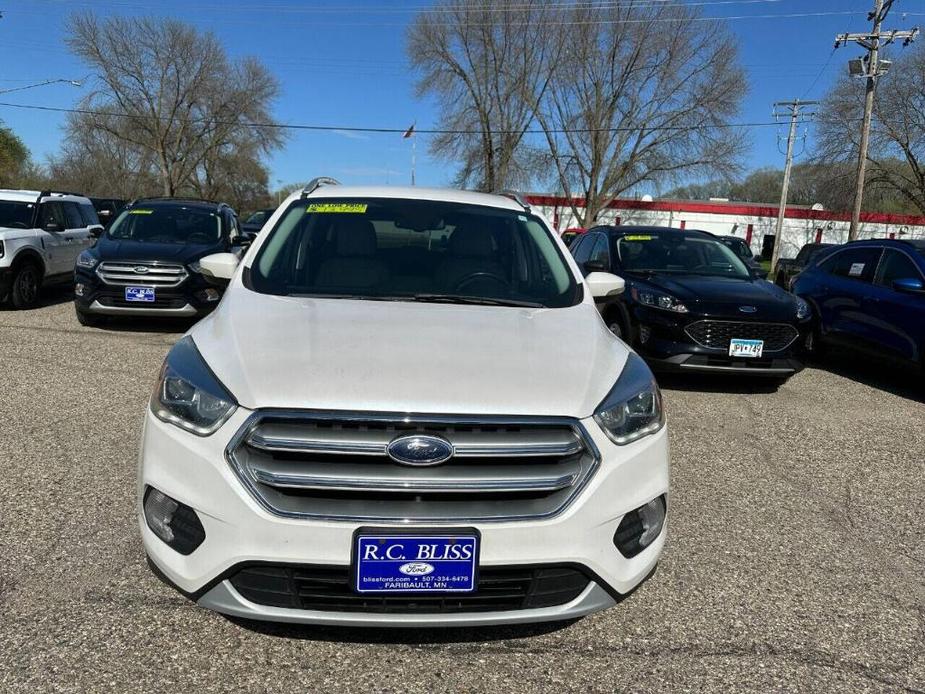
{"x":408,"y":133}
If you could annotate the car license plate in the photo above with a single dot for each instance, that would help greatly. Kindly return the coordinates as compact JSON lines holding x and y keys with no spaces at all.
{"x":139,"y":294}
{"x":746,"y":348}
{"x":416,"y":563}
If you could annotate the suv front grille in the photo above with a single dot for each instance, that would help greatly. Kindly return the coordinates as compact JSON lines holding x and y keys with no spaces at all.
{"x":718,"y":333}
{"x":328,"y":588}
{"x":335,"y":466}
{"x":126,"y":273}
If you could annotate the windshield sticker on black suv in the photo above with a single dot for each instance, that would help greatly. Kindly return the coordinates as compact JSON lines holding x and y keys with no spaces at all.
{"x":637,"y":238}
{"x":856,"y":269}
{"x":337,"y":208}
{"x":141,"y":211}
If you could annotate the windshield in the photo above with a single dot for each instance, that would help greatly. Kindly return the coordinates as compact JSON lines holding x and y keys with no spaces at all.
{"x":167,"y":224}
{"x":258,"y":217}
{"x":678,"y":253}
{"x":16,"y":215}
{"x":413,"y":250}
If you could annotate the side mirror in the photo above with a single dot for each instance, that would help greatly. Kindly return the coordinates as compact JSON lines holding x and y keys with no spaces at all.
{"x":603,"y":284}
{"x":219,"y":266}
{"x":909,"y":285}
{"x":95,"y":230}
{"x":591,"y":266}
{"x":53,"y":226}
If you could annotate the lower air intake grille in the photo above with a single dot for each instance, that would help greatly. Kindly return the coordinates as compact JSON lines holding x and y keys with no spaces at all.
{"x":327,"y":588}
{"x":717,"y":333}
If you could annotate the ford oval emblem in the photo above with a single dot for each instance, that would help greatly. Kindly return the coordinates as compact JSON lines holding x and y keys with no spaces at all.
{"x":141,"y":269}
{"x":416,"y":568}
{"x":420,"y":450}
{"x":748,"y":309}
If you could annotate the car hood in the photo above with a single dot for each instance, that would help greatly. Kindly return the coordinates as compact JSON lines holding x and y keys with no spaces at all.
{"x":109,"y":249}
{"x":385,"y":356}
{"x":722,"y":295}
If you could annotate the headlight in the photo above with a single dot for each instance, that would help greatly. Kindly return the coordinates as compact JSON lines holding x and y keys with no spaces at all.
{"x":87,"y":260}
{"x":658,"y":300}
{"x":803,"y":309}
{"x":188,"y":394}
{"x":633,"y":408}
{"x":194,"y":266}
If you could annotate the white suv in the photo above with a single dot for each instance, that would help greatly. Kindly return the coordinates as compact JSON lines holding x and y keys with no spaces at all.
{"x":41,"y":235}
{"x":406,"y":410}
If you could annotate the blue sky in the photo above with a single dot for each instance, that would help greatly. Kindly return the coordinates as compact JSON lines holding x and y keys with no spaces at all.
{"x":343,"y":63}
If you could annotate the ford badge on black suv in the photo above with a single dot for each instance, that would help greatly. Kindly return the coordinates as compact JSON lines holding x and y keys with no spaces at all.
{"x":146,"y":263}
{"x":691,"y":304}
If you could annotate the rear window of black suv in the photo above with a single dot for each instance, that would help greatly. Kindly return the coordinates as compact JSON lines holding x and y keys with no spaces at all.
{"x":415,"y":250}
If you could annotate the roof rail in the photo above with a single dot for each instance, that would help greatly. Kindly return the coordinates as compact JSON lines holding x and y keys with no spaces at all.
{"x":43,"y":193}
{"x":516,"y":197}
{"x":316,"y":183}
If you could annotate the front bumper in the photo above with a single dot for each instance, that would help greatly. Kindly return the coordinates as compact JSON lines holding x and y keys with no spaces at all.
{"x":666,"y":347}
{"x":239,"y":531}
{"x":184,"y":301}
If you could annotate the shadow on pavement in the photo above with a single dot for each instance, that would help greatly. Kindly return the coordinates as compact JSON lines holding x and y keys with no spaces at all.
{"x":717,"y":383}
{"x":899,"y":379}
{"x":146,"y":325}
{"x":405,"y":636}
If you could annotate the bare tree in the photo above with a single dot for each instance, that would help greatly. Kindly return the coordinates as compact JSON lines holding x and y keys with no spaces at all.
{"x":641,"y":95}
{"x":896,"y":156}
{"x":485,"y":62}
{"x":177,"y":96}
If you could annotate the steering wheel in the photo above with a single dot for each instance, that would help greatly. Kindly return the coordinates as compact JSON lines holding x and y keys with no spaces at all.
{"x":466,"y":280}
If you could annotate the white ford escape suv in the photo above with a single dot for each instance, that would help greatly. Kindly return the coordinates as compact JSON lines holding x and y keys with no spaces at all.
{"x":406,"y":411}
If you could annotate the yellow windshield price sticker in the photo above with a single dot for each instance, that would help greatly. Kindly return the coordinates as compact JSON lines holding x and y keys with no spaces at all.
{"x":141,"y":212}
{"x":637,"y":238}
{"x":336,"y":208}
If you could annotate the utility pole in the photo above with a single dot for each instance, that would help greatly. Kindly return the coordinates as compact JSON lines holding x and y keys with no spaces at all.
{"x":874,"y":68}
{"x":795,"y":116}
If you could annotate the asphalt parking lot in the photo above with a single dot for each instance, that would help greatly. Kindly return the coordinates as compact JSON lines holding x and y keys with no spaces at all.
{"x":796,"y":558}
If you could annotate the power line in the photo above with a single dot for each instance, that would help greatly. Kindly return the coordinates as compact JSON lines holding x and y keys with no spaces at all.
{"x":378,"y":130}
{"x":872,"y":67}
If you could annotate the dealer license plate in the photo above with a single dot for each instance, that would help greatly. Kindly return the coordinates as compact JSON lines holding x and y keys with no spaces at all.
{"x":746,"y":348}
{"x":418,"y":563}
{"x":139,"y":294}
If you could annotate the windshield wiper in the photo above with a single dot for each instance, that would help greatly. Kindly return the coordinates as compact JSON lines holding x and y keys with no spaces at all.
{"x":474,"y":300}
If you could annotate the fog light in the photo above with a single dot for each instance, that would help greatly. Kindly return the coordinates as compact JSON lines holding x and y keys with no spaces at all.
{"x":79,"y":289}
{"x":174,"y":523}
{"x":210,"y":294}
{"x":645,"y":332}
{"x":640,"y":527}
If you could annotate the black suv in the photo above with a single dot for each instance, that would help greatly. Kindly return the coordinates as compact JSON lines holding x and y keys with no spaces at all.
{"x":146,"y":263}
{"x":691,"y":304}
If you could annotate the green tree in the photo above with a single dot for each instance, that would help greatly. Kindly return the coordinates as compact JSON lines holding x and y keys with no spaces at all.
{"x":14,"y":157}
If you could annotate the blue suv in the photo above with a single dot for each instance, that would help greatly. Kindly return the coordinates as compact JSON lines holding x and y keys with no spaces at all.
{"x":869,"y":295}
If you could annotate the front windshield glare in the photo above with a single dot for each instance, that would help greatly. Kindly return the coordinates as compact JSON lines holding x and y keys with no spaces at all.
{"x":16,"y":215}
{"x":413,"y":250}
{"x":679,"y":254}
{"x":167,"y":224}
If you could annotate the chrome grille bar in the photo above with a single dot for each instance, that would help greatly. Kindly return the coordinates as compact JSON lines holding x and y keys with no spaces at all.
{"x":445,"y":485}
{"x":127,"y":273}
{"x":374,"y":442}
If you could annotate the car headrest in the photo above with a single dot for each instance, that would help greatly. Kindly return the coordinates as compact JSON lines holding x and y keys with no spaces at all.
{"x":355,"y":236}
{"x":470,"y":239}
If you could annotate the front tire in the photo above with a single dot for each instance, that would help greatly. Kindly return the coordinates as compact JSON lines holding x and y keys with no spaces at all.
{"x":26,"y":283}
{"x":617,"y":324}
